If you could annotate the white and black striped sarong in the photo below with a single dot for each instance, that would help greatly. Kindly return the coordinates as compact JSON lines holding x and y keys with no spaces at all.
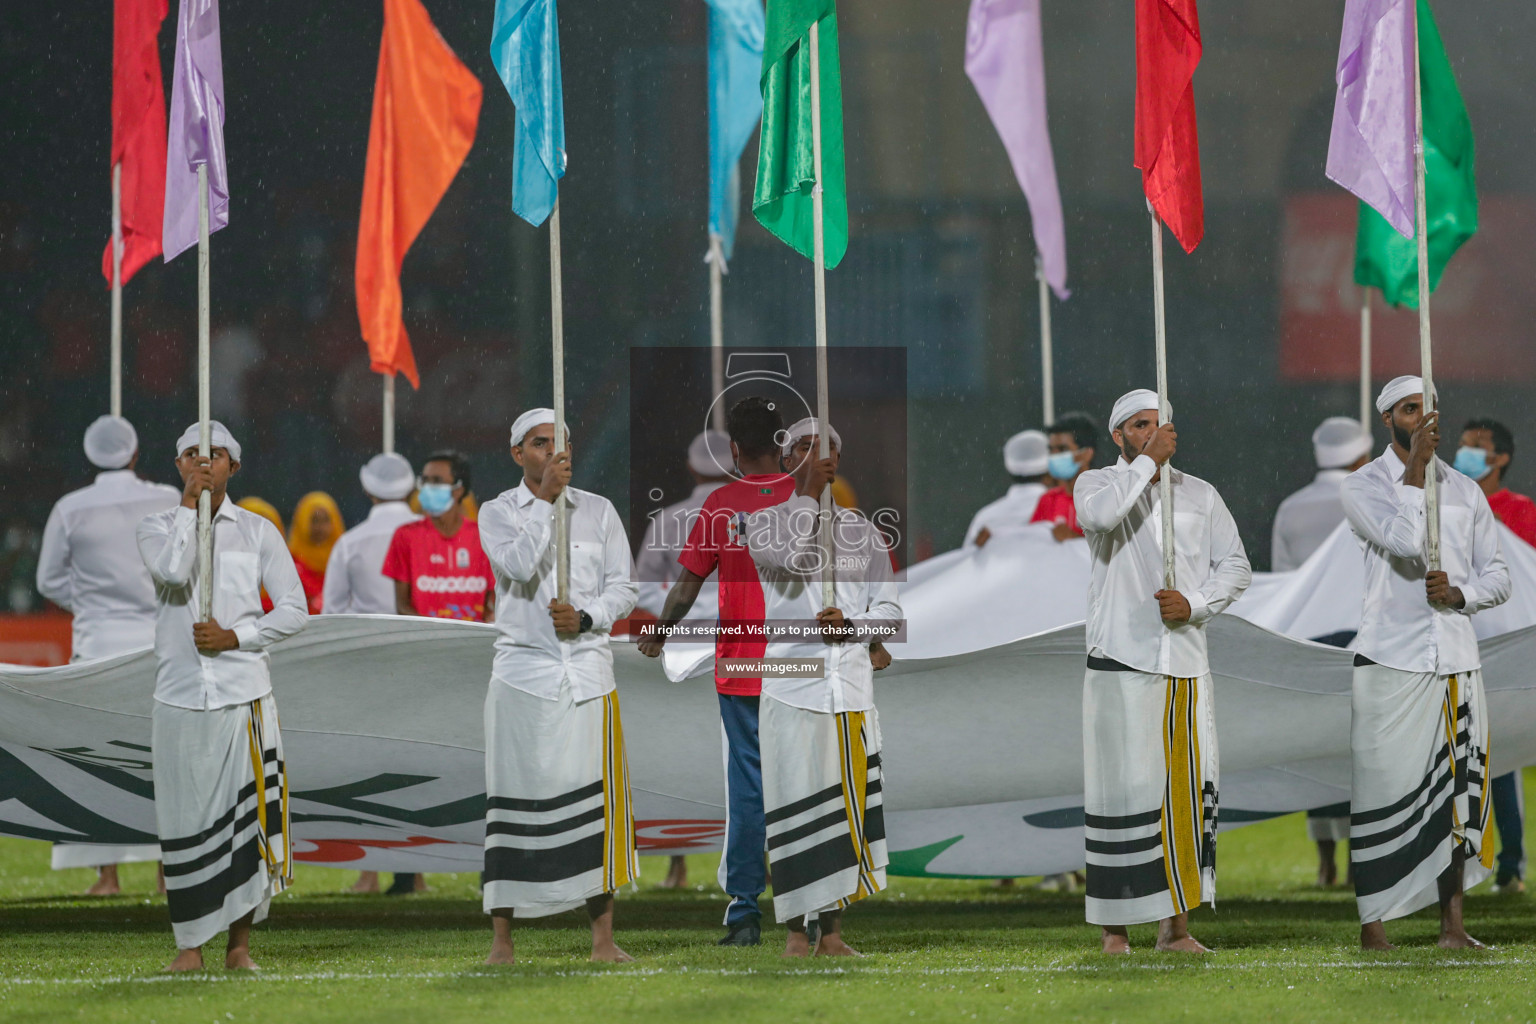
{"x":221,"y":802}
{"x":559,"y":826}
{"x":1420,"y":790}
{"x":822,"y":791}
{"x":1150,"y":787}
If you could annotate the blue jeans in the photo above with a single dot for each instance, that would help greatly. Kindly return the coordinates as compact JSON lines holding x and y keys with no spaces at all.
{"x":742,"y":873}
{"x":1509,"y":815}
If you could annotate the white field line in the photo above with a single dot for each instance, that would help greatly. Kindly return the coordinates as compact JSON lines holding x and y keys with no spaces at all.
{"x":619,"y":973}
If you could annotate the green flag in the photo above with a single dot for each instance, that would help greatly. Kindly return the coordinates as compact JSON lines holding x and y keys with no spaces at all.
{"x":786,"y":170}
{"x":1385,"y":259}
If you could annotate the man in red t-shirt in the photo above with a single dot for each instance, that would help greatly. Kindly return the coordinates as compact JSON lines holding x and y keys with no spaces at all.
{"x":1072,"y":440}
{"x":1487,"y":448}
{"x":717,"y":545}
{"x":438,"y":566}
{"x":440,"y":571}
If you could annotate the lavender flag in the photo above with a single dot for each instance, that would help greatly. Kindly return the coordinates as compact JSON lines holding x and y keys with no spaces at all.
{"x":1371,"y":149}
{"x":196,"y":127}
{"x":1006,"y":63}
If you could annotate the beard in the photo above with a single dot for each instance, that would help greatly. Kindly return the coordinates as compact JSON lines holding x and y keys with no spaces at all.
{"x":1404,"y":438}
{"x":1129,"y":451}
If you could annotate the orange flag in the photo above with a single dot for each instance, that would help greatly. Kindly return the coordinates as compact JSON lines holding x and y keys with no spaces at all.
{"x":426,"y":105}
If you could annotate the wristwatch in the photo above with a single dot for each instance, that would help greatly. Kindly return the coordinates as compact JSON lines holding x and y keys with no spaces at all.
{"x":586,"y":623}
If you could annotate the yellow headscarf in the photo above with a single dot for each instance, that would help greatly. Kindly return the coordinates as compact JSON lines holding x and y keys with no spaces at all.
{"x":263,"y":509}
{"x":843,"y":493}
{"x":309,"y":552}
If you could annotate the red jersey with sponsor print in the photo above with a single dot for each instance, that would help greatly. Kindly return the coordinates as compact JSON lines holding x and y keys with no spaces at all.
{"x":450,"y":577}
{"x":717,"y":543}
{"x":1515,"y":511}
{"x":1057,"y":506}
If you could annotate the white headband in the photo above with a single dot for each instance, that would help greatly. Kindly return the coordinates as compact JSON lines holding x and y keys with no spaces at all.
{"x":218,"y":437}
{"x":1131,"y":403}
{"x":533,"y":418}
{"x":1027,"y":453}
{"x":387,"y":477}
{"x":808,"y":428}
{"x":110,"y":442}
{"x":1339,"y":441}
{"x":1399,"y":388}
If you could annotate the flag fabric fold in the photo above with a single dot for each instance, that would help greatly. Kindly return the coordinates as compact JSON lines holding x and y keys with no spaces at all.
{"x":138,"y":131}
{"x":426,"y":107}
{"x":1370,"y":149}
{"x":1167,"y":143}
{"x":196,"y":135}
{"x":525,"y":47}
{"x":786,"y":175}
{"x":1384,"y":258}
{"x":735,"y":105}
{"x":1005,"y":60}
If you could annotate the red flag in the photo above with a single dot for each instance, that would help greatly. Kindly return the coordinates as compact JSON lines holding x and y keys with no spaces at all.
{"x":426,"y":105}
{"x":138,"y":131}
{"x":1167,"y":147}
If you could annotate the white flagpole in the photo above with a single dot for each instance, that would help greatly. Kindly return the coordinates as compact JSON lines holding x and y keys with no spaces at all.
{"x":1047,"y":358}
{"x":1366,"y":405}
{"x":389,"y":413}
{"x":828,"y":588}
{"x":1165,"y":482}
{"x":117,"y":290}
{"x":717,"y":329}
{"x":1426,"y":364}
{"x":204,"y":414}
{"x":557,"y":348}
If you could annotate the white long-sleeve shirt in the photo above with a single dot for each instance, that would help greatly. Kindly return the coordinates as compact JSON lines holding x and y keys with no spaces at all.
{"x":1306,"y":519}
{"x":517,"y":531}
{"x":784,"y":543}
{"x":656,"y":567}
{"x":1399,"y":628}
{"x":354,"y":576}
{"x":1122,"y":517}
{"x":1014,"y":509}
{"x":248,"y":554}
{"x":88,"y":564}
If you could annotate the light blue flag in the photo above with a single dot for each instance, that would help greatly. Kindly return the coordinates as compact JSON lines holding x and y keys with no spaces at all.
{"x":735,"y":105}
{"x":525,"y":47}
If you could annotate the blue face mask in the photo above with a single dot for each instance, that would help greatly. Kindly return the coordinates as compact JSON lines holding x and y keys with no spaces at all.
{"x":435,"y":498}
{"x":1473,"y":462}
{"x":1062,"y":466}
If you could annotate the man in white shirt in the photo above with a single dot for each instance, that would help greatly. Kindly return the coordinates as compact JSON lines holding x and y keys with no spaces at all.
{"x":1419,"y":806}
{"x":1025,"y":456}
{"x":656,"y":567}
{"x":354,"y":579}
{"x":1149,"y":730}
{"x":221,"y":786}
{"x":1304,"y":520}
{"x":818,"y":730}
{"x":88,"y":567}
{"x":559,"y":830}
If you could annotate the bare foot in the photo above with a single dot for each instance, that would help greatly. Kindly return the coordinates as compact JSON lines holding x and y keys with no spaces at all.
{"x":367,"y":881}
{"x":1459,"y":940}
{"x":1374,"y":937}
{"x":103,"y":887}
{"x":501,"y":953}
{"x":1116,"y":944}
{"x":798,"y":944}
{"x":160,"y":879}
{"x":608,"y":953}
{"x":239,"y":960}
{"x":677,"y":874}
{"x":421,"y":883}
{"x":833,"y":945}
{"x":186,"y":960}
{"x":1187,"y":944}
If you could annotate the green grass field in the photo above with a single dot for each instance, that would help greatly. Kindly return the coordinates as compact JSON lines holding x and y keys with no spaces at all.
{"x":936,"y":949}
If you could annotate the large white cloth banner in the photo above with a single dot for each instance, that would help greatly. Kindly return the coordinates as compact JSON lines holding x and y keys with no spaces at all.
{"x":981,"y":716}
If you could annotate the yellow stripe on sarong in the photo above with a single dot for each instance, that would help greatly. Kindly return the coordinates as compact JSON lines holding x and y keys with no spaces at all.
{"x":620,"y":863}
{"x":854,"y":757}
{"x":1183,"y":811}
